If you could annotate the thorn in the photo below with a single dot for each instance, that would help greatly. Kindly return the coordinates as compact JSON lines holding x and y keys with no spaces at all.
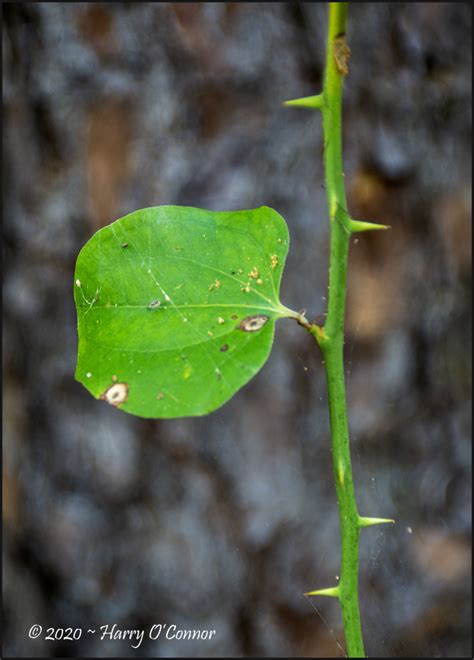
{"x":357,"y":225}
{"x":368,"y":522}
{"x":306,"y":102}
{"x":331,"y":591}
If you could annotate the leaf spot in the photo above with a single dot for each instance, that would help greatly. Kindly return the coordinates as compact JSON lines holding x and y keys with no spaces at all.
{"x":154,"y":303}
{"x":125,"y":245}
{"x":88,"y":374}
{"x":274,"y":261}
{"x":160,"y":396}
{"x":220,"y":320}
{"x":234,"y":317}
{"x":224,"y":348}
{"x":78,"y":284}
{"x":254,"y":274}
{"x":116,"y":394}
{"x":253,"y":323}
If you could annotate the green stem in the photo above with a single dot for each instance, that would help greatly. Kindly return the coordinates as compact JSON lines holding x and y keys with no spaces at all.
{"x":330,"y":338}
{"x":332,"y":342}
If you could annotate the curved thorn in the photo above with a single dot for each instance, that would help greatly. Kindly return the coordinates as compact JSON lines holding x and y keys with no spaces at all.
{"x":368,"y":522}
{"x":306,"y":102}
{"x":330,"y":591}
{"x":358,"y":225}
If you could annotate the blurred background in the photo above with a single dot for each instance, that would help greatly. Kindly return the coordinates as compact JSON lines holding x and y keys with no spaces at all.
{"x":223,"y":522}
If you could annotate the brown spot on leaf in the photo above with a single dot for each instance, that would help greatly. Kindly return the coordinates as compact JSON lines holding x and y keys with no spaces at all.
{"x":116,"y":394}
{"x":224,"y":348}
{"x":234,"y":317}
{"x":253,"y":323}
{"x":160,"y":396}
{"x":125,"y":245}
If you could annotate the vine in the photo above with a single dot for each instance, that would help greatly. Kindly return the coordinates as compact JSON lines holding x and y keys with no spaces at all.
{"x":330,"y":338}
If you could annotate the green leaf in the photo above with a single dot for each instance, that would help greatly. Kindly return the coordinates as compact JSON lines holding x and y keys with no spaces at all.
{"x":177,"y":306}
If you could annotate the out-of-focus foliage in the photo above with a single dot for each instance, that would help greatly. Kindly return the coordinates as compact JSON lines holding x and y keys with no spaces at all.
{"x":224,"y":521}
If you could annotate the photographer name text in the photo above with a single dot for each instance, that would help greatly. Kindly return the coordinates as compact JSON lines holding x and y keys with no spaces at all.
{"x":157,"y":631}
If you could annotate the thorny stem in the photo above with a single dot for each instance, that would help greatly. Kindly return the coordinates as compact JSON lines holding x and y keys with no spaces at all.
{"x":330,"y":338}
{"x":332,"y":344}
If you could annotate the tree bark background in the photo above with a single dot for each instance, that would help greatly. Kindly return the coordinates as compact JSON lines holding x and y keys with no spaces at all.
{"x":223,"y":522}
